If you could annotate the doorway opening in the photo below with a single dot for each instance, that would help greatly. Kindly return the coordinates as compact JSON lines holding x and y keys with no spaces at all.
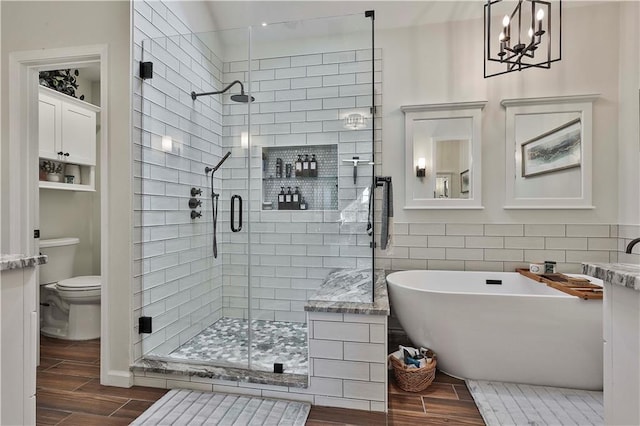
{"x":60,"y":190}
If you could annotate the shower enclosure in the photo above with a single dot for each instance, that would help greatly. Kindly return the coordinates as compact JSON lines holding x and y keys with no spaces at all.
{"x":293,"y":104}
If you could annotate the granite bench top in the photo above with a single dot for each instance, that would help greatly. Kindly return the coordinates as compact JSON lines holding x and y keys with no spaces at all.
{"x":150,"y":365}
{"x":349,"y":291}
{"x":622,"y":274}
{"x":20,"y":261}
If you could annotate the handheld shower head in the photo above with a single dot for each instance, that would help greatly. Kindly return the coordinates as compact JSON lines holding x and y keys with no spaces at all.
{"x":214,"y":169}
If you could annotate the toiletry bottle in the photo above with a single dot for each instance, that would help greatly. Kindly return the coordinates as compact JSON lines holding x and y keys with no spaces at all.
{"x":295,"y":199}
{"x":305,"y":165}
{"x":264,"y":165}
{"x":279,"y":167}
{"x":313,"y":166}
{"x":287,"y":170}
{"x":299,"y":166}
{"x":287,"y":198}
{"x":303,"y":204}
{"x":281,"y":199}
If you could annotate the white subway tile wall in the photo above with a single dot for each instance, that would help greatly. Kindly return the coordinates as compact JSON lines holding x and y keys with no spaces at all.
{"x":624,"y":234}
{"x":300,"y":101}
{"x":504,"y":247}
{"x":176,"y":281}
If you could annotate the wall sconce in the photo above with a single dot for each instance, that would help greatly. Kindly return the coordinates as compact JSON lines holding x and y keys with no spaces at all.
{"x":421,"y":168}
{"x":355,"y":121}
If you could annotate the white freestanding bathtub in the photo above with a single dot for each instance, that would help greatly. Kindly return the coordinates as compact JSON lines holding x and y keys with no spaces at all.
{"x":519,"y":331}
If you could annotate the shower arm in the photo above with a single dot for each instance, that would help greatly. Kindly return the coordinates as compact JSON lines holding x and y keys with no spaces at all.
{"x":194,"y":95}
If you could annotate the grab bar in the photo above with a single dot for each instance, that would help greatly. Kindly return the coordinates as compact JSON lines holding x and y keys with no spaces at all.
{"x":233,"y":209}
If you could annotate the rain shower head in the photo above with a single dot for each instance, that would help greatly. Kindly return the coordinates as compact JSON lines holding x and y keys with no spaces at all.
{"x":242,"y":98}
{"x":236,"y":98}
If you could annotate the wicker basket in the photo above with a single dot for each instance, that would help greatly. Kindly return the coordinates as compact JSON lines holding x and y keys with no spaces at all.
{"x":413,"y":379}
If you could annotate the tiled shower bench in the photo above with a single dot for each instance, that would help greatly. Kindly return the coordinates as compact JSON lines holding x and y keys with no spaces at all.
{"x":348,"y":341}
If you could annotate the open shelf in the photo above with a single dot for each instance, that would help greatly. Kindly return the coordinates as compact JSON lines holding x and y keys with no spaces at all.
{"x":319,"y":192}
{"x":45,"y":184}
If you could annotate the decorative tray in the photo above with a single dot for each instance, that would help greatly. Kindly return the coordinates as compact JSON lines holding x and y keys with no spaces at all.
{"x":575,"y":286}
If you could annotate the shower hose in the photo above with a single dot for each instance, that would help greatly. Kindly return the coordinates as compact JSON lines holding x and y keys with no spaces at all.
{"x":214,"y":213}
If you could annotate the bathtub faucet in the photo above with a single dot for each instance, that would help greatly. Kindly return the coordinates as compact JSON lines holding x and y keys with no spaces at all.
{"x":631,"y":244}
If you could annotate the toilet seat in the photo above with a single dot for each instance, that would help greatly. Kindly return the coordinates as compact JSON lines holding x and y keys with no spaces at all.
{"x":82,"y":283}
{"x":81,"y":290}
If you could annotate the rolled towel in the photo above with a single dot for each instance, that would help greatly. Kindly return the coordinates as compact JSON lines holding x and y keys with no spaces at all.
{"x":408,"y":360}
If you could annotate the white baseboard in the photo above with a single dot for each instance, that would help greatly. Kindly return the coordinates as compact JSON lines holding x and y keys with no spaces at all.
{"x":119,"y":378}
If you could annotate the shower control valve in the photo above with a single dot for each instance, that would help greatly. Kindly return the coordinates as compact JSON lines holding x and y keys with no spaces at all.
{"x":194,"y":203}
{"x":195,"y":214}
{"x":196,"y":191}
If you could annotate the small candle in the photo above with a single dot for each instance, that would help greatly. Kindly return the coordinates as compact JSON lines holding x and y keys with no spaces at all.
{"x":539,"y":17}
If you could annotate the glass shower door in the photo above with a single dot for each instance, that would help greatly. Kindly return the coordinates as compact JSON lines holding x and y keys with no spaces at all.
{"x":192,"y":270}
{"x":310,"y":177}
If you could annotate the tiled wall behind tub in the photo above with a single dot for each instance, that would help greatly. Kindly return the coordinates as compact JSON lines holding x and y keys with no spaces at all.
{"x":176,"y":280}
{"x":625,"y":234}
{"x":300,"y":101}
{"x":498,"y":247}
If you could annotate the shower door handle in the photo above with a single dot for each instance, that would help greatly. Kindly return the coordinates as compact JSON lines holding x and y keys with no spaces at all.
{"x":233,"y":210}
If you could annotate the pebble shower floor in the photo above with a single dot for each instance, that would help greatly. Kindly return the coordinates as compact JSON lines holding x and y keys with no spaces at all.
{"x":226,"y":342}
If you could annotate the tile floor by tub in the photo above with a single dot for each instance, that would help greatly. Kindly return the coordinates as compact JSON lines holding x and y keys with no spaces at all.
{"x":226,"y":342}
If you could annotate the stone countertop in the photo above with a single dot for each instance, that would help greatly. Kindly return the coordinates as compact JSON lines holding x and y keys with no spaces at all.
{"x":622,"y":274}
{"x":221,"y":373}
{"x":349,"y":291}
{"x":19,"y":261}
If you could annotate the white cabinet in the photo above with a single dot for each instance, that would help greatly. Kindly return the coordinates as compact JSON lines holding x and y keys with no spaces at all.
{"x":67,"y":134}
{"x":18,"y":343}
{"x":78,"y":134}
{"x":621,"y":355}
{"x":49,"y":126}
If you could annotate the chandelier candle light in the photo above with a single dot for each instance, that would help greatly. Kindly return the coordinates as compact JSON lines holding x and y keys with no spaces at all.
{"x":524,"y":37}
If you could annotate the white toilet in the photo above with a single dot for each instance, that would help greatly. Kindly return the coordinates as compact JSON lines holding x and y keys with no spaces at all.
{"x":69,"y":306}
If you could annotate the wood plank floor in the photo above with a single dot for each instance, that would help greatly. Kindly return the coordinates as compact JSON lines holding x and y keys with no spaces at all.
{"x":69,"y":393}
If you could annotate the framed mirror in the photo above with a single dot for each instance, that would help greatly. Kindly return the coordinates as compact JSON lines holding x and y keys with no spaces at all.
{"x":443,"y":156}
{"x":548,"y":152}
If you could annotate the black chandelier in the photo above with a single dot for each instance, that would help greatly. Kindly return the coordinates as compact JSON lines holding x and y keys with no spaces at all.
{"x":523,"y":39}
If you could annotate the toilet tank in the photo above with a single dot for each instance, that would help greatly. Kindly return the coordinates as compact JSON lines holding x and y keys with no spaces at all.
{"x":61,"y":253}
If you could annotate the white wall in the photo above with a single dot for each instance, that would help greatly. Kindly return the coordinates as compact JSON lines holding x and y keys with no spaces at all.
{"x":43,"y":25}
{"x":68,"y":214}
{"x":443,"y":63}
{"x":629,"y":136}
{"x":629,"y":142}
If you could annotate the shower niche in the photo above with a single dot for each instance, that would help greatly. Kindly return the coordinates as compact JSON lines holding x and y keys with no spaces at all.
{"x":303,"y":177}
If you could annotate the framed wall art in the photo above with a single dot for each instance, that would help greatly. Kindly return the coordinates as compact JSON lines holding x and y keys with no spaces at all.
{"x":548,"y":152}
{"x":557,"y":149}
